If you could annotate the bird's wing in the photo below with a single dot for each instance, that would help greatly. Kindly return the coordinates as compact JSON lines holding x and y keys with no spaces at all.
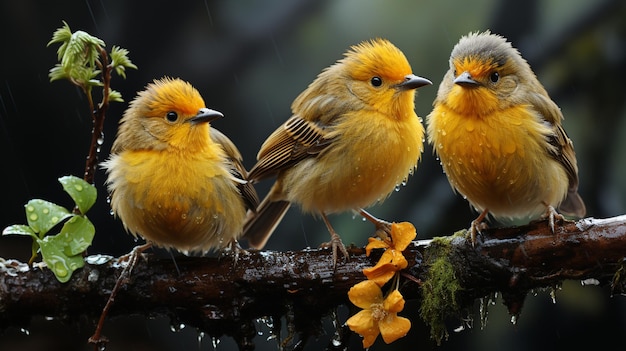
{"x":562,"y":150}
{"x":562,"y":147}
{"x":295,"y":140}
{"x":237,"y":170}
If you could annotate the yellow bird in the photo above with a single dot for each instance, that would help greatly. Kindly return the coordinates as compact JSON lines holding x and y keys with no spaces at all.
{"x":499,"y":136}
{"x":173,"y":179}
{"x":353,"y":137}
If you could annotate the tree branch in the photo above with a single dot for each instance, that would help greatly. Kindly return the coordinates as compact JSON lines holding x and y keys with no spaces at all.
{"x":223,"y":297}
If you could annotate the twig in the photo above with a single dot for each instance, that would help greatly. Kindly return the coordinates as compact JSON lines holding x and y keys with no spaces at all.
{"x":97,"y":339}
{"x":98,"y":115}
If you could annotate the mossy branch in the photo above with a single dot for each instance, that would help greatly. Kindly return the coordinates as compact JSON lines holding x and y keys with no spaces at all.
{"x":221,"y":297}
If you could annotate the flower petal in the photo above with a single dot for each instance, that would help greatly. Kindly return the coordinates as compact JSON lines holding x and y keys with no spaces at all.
{"x":380,"y":273}
{"x":394,"y":302}
{"x":393,"y":328}
{"x":365,"y":293}
{"x":398,"y":260}
{"x":364,"y":324}
{"x":402,"y":234}
{"x":394,"y":257}
{"x":374,"y":243}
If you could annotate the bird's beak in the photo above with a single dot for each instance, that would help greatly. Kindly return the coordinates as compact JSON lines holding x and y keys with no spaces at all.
{"x":465,"y":80}
{"x":412,"y":81}
{"x":205,"y":115}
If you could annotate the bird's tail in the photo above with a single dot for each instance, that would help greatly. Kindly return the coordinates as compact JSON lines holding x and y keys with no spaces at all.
{"x":573,"y":205}
{"x":260,"y":225}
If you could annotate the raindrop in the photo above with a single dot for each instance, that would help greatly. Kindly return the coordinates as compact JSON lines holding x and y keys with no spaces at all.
{"x":484,"y":311}
{"x":336,"y":341}
{"x":25,"y":331}
{"x":280,"y":59}
{"x":93,"y":18}
{"x":337,"y":336}
{"x":201,"y":336}
{"x":590,"y":281}
{"x":206,"y":4}
{"x":514,"y":319}
{"x":78,"y":187}
{"x":100,"y":140}
{"x":215,"y":341}
{"x":176,"y":328}
{"x":33,"y":217}
{"x":93,"y":276}
{"x":10,"y":96}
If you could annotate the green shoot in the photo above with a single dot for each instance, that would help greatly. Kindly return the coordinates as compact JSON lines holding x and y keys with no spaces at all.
{"x":62,"y":252}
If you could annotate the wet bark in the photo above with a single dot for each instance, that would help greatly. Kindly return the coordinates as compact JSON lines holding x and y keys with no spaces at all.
{"x":224,"y":297}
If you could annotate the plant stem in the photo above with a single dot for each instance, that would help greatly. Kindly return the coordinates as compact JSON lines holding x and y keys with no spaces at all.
{"x":98,"y":115}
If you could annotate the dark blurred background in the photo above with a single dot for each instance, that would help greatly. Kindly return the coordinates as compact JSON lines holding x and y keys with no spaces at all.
{"x":249,"y":60}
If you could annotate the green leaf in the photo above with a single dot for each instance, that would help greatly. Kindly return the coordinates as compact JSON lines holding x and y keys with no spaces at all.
{"x":57,"y":73}
{"x":78,"y":54}
{"x":19,"y":229}
{"x":77,"y":234}
{"x":83,"y":193}
{"x":115,"y":96}
{"x":43,"y":215}
{"x":120,"y":61}
{"x":34,"y":251}
{"x":61,"y":35}
{"x":53,"y":253}
{"x":82,"y":50}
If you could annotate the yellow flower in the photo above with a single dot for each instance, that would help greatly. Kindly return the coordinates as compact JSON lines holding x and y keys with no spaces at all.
{"x":392,"y":260}
{"x":379,"y":316}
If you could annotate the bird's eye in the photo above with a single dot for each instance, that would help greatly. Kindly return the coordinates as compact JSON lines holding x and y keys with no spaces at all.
{"x":376,"y":81}
{"x":495,"y":76}
{"x":172,"y":116}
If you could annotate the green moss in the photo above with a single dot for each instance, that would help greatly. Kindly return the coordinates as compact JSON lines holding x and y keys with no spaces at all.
{"x":618,"y":283}
{"x":440,"y":288}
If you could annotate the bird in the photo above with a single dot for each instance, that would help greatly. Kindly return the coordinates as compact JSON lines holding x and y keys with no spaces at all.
{"x":352,"y":138}
{"x":499,"y":136}
{"x":173,"y":179}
